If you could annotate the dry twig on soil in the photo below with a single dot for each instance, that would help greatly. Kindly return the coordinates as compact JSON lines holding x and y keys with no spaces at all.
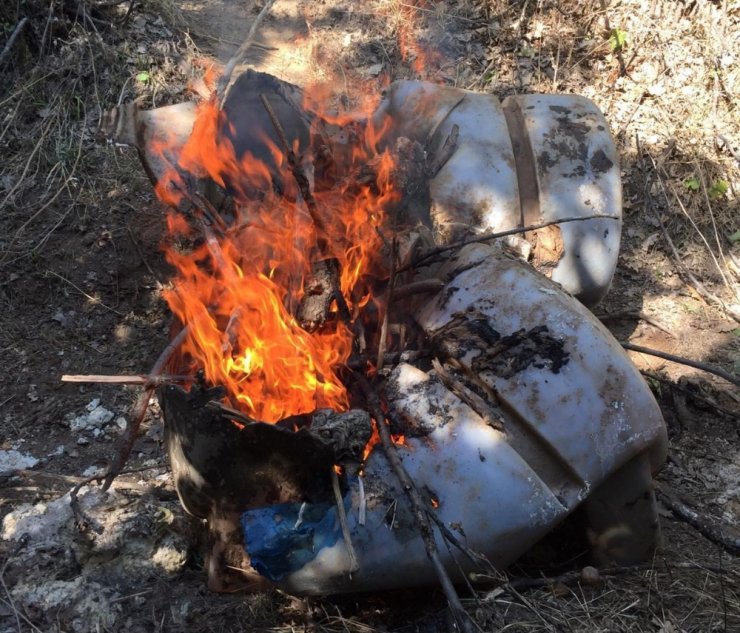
{"x":703,"y":524}
{"x":710,"y":369}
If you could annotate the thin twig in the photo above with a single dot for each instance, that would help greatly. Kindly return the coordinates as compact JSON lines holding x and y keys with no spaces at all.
{"x":295,"y":167}
{"x":388,"y":300}
{"x":132,"y":430}
{"x":342,"y":513}
{"x":136,"y":379}
{"x":691,"y":394}
{"x":223,"y":81}
{"x":639,"y":314}
{"x":485,"y":237}
{"x":710,"y":369}
{"x":693,"y":223}
{"x":417,"y":506}
{"x":11,"y":40}
{"x":93,"y":300}
{"x":703,"y":524}
{"x":579,"y":576}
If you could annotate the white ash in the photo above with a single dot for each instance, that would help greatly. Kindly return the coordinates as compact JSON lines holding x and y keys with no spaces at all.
{"x":97,"y":416}
{"x":58,"y":572}
{"x":15,"y":460}
{"x":91,"y":605}
{"x":92,"y":471}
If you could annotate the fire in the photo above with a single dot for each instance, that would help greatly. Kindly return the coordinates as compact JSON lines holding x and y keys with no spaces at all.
{"x":237,"y":290}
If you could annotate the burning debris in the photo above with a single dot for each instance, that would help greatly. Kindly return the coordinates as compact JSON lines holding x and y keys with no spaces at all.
{"x":338,"y":286}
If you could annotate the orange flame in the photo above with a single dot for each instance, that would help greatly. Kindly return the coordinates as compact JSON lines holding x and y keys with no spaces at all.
{"x":237,"y":292}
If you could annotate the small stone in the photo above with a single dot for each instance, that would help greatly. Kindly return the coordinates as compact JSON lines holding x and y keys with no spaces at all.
{"x":590,"y":575}
{"x":373,"y":71}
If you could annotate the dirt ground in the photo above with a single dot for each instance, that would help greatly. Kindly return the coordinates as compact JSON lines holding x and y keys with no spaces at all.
{"x":81,"y":275}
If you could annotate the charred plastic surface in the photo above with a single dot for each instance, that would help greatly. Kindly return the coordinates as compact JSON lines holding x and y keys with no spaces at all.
{"x":217,"y":464}
{"x":247,"y":126}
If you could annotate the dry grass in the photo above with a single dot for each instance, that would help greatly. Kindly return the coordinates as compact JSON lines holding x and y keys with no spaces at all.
{"x":678,"y":97}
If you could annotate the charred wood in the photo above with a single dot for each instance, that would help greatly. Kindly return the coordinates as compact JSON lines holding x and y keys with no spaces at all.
{"x":320,"y":292}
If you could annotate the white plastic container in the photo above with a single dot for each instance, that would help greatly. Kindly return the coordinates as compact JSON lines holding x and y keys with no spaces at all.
{"x":528,"y":160}
{"x":579,"y":423}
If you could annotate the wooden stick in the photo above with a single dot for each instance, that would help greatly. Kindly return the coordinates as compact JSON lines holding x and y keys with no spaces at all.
{"x":388,"y":300}
{"x":136,"y":379}
{"x":694,"y":395}
{"x":139,"y":411}
{"x":342,"y":513}
{"x":11,"y":40}
{"x":305,"y":188}
{"x":710,"y":369}
{"x":417,"y":506}
{"x":295,"y":167}
{"x":223,"y":81}
{"x":485,"y":237}
{"x":703,"y":524}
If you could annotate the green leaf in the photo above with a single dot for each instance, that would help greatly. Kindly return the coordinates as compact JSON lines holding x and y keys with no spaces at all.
{"x":143,"y":77}
{"x":736,"y":332}
{"x":735,"y":237}
{"x":617,"y":39}
{"x":691,"y":184}
{"x":718,"y":188}
{"x":489,"y":76}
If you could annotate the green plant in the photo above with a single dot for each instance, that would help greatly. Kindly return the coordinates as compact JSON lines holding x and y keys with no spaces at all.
{"x":617,"y":39}
{"x":719,"y":188}
{"x":143,"y":77}
{"x":692,"y":184}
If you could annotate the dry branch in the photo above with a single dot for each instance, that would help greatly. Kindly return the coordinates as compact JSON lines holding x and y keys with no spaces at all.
{"x":304,"y":186}
{"x":703,"y":524}
{"x":342,"y":514}
{"x":223,"y":81}
{"x":710,"y":369}
{"x":388,"y":300}
{"x":132,"y":430}
{"x":11,"y":40}
{"x":486,"y":237}
{"x":418,"y":510}
{"x":146,"y":380}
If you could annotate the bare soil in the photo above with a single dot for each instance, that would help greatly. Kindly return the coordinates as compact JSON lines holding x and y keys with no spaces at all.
{"x":81,"y":275}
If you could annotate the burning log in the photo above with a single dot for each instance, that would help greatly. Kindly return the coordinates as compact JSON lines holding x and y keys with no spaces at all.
{"x":510,"y":403}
